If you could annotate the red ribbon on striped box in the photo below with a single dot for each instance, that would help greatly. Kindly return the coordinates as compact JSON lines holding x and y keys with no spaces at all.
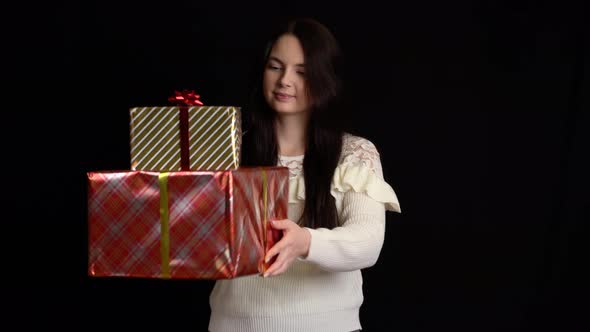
{"x":185,"y":99}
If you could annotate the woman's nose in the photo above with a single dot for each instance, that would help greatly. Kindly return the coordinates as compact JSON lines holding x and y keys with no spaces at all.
{"x":286,"y":79}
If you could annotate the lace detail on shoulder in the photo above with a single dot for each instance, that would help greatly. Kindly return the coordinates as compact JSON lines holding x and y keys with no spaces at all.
{"x":360,"y":151}
{"x":295,"y":165}
{"x":355,"y":151}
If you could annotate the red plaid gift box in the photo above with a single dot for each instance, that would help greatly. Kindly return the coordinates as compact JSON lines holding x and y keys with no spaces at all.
{"x":197,"y":225}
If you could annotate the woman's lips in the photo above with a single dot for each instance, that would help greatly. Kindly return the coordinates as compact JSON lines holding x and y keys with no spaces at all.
{"x":282,"y":96}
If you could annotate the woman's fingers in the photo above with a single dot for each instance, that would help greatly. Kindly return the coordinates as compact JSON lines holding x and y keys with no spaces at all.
{"x":295,"y":242}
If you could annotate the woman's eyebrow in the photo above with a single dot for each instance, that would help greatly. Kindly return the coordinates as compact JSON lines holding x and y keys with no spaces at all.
{"x":274,"y":58}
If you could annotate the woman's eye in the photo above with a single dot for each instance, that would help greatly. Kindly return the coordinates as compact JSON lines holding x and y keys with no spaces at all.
{"x":274,"y":67}
{"x":302,"y":73}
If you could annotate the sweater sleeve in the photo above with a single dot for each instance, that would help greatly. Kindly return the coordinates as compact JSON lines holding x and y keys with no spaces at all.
{"x":362,"y":197}
{"x":357,"y":243}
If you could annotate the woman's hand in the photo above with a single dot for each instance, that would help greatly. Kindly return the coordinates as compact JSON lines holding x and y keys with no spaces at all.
{"x":294,"y":243}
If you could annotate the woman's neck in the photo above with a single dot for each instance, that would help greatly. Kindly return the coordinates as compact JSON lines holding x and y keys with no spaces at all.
{"x":290,"y":131}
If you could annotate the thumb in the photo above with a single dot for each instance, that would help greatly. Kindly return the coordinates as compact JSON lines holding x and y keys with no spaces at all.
{"x":280,"y":224}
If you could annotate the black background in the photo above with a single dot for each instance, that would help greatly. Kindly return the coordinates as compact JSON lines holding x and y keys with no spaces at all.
{"x":480,"y":110}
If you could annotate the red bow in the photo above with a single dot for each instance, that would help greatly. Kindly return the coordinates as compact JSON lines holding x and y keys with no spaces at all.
{"x":185,"y":97}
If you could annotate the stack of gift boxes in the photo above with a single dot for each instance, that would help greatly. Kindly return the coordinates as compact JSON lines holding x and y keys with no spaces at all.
{"x":185,"y":209}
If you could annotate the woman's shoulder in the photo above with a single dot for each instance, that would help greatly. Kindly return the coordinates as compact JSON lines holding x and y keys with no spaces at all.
{"x":360,"y":170}
{"x":358,"y":150}
{"x":351,"y":143}
{"x":358,"y":146}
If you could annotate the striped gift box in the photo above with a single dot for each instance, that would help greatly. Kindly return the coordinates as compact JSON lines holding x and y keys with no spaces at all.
{"x":205,"y":138}
{"x":184,"y":225}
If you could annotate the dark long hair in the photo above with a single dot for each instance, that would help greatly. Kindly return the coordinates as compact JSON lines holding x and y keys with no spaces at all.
{"x":324,"y":134}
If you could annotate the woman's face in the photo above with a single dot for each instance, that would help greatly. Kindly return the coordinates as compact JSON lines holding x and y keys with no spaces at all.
{"x":284,"y":85}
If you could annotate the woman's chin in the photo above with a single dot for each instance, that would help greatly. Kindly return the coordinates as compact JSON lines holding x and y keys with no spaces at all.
{"x":285,"y":109}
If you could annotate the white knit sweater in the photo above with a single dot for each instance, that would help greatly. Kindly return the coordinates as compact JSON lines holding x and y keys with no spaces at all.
{"x":322,"y":292}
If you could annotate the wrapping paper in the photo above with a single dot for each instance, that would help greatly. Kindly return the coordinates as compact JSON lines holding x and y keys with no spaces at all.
{"x":184,"y":225}
{"x":182,"y":138}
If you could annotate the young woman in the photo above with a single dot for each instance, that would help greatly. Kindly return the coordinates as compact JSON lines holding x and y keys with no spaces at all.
{"x":337,"y":195}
